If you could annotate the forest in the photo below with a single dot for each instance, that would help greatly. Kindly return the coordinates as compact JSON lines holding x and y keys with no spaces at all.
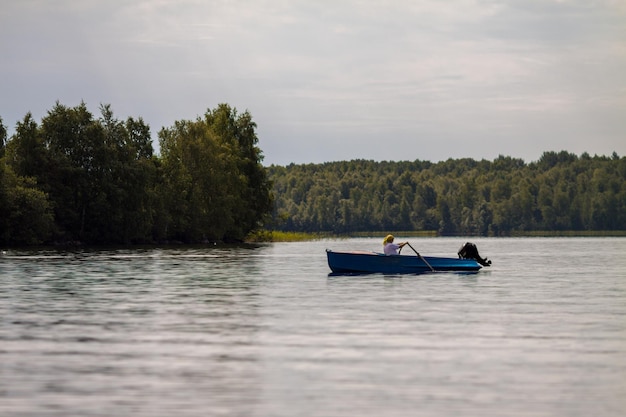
{"x":559,"y":192}
{"x":76,"y":179}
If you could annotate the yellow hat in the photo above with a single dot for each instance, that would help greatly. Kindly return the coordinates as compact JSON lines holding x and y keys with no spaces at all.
{"x":388,"y":238}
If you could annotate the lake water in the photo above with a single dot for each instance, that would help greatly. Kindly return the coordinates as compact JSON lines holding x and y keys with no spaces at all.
{"x":265,"y":331}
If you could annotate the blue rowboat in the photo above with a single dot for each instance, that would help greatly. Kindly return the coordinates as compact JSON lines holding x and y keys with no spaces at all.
{"x":363,"y":262}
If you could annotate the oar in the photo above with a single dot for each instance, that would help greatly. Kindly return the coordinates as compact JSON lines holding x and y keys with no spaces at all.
{"x":421,"y":257}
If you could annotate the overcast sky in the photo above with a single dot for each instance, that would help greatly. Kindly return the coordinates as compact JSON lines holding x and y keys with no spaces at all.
{"x":330,"y":80}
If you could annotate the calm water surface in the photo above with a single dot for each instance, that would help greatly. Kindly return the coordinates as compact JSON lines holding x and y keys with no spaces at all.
{"x":265,"y":331}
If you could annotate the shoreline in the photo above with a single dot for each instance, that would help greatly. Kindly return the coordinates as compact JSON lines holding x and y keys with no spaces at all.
{"x":278,"y":236}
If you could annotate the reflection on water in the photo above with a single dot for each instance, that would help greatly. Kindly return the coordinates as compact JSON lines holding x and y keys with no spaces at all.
{"x":265,"y":331}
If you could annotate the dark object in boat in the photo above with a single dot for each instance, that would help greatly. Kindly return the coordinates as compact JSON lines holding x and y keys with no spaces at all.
{"x":470,"y":251}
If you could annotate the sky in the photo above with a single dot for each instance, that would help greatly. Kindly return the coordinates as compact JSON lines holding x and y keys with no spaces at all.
{"x":334,"y":80}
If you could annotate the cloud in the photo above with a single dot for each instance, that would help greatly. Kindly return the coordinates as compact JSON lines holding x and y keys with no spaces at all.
{"x":334,"y":80}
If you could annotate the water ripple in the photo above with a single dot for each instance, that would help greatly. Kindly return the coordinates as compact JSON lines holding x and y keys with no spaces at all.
{"x":264,"y":331}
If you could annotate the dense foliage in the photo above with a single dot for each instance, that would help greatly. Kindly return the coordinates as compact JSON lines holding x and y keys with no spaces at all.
{"x":561,"y":191}
{"x":74,"y":178}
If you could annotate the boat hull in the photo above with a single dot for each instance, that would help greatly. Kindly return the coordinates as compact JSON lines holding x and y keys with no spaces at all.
{"x":357,"y":262}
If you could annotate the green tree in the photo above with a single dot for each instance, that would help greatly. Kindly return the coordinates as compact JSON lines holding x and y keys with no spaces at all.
{"x":214,"y":187}
{"x":123,"y":208}
{"x":26,"y":151}
{"x":69,"y":137}
{"x":25,"y":214}
{"x":238,"y":132}
{"x":3,"y":137}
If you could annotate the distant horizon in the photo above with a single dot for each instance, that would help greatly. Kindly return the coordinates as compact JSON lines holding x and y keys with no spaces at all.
{"x":11,"y":131}
{"x":459,"y":158}
{"x":526,"y":158}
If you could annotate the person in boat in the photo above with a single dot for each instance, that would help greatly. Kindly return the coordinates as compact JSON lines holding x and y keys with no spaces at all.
{"x":391,"y":248}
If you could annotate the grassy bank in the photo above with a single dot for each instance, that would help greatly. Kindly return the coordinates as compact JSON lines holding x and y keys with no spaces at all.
{"x":278,"y":236}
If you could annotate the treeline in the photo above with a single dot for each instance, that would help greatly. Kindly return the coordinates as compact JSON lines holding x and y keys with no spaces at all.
{"x":74,"y":178}
{"x":560,"y":192}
